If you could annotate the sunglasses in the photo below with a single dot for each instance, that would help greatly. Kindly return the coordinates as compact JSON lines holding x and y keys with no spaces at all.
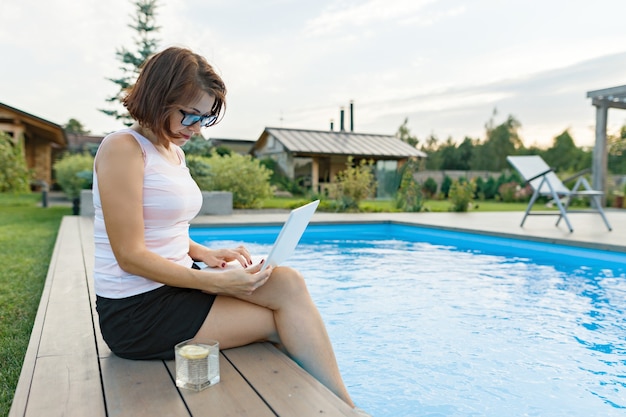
{"x":190,"y":119}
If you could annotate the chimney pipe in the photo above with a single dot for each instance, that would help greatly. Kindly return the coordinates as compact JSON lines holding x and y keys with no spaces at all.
{"x":341,"y":113}
{"x":332,"y":125}
{"x":351,"y":116}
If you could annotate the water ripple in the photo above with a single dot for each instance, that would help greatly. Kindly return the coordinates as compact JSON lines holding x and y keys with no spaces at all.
{"x":430,"y":330}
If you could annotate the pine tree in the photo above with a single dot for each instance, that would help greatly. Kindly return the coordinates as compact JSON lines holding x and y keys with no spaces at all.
{"x":145,"y":26}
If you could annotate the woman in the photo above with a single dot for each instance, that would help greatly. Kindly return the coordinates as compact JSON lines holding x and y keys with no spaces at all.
{"x":150,"y":294}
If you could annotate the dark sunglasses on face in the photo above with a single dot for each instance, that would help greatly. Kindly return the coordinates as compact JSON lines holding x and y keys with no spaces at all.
{"x":190,"y":119}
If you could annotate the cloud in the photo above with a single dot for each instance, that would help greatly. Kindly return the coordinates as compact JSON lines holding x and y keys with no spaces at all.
{"x":548,"y":102}
{"x":444,"y":64}
{"x":344,"y":17}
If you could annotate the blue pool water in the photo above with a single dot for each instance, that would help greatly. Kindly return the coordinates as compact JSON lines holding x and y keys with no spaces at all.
{"x":435,"y":323}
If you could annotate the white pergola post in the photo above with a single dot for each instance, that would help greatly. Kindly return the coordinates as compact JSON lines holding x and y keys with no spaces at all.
{"x":603,"y":100}
{"x":600,"y":151}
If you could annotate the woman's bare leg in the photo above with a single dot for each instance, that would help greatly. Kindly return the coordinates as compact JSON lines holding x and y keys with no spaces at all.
{"x":281,"y":311}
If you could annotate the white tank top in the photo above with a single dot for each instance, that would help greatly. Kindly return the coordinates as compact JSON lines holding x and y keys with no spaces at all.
{"x":171,"y":198}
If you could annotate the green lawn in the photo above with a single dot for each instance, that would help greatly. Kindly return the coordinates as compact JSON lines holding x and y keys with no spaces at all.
{"x":27,"y":236}
{"x":388,"y":206}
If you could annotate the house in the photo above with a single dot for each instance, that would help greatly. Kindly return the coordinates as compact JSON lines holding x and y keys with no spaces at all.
{"x":42,"y":140}
{"x":78,"y":142}
{"x":240,"y":146}
{"x":313,"y":157}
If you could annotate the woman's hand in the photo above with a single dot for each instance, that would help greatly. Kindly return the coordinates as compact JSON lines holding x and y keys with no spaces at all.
{"x":239,"y":282}
{"x":218,"y":258}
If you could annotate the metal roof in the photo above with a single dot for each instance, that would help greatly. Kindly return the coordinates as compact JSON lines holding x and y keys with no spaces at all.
{"x":300,"y":141}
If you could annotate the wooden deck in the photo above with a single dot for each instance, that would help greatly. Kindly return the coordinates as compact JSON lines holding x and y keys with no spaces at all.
{"x":69,"y":370}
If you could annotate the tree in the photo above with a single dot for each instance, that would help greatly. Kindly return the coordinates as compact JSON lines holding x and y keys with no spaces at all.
{"x":431,"y":148}
{"x":404,"y":134}
{"x":75,"y":127}
{"x":501,"y":141}
{"x":449,"y":157}
{"x":564,"y":155}
{"x":144,"y":25}
{"x":465,"y":153}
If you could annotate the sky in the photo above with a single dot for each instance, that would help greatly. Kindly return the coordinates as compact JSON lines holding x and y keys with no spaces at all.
{"x":448,"y":67}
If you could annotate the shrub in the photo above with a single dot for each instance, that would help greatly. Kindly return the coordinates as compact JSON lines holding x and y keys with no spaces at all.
{"x":353,"y":185}
{"x":507,"y":192}
{"x":504,"y":179}
{"x":461,"y":195}
{"x":409,"y":197}
{"x":14,"y":174}
{"x":245,"y":177}
{"x":74,"y":172}
{"x":480,"y":188}
{"x":445,"y":186}
{"x":198,"y":146}
{"x":490,"y":188}
{"x":511,"y":192}
{"x":430,"y":187}
{"x":200,"y":170}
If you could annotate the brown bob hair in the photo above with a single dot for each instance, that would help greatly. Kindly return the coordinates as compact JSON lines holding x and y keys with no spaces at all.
{"x":168,"y":81}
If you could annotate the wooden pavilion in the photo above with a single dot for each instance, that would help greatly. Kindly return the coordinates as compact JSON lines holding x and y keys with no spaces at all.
{"x":42,"y":140}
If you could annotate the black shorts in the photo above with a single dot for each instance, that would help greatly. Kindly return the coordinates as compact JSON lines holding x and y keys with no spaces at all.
{"x":149,"y":325}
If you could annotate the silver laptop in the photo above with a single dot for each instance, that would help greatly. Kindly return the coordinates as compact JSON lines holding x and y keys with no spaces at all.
{"x":290,"y":234}
{"x":287,"y":239}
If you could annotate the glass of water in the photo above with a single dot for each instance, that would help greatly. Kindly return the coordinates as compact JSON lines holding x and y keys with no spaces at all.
{"x":197,"y":364}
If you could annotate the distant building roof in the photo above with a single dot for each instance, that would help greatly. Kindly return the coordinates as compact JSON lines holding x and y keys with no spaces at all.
{"x":241,"y":146}
{"x":316,"y":142}
{"x":35,"y":125}
{"x":233,"y":140}
{"x":77,"y":140}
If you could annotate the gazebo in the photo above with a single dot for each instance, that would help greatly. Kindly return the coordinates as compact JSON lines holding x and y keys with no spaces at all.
{"x":603,"y":100}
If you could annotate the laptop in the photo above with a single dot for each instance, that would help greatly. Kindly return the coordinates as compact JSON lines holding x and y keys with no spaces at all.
{"x":287,"y":239}
{"x":290,"y":234}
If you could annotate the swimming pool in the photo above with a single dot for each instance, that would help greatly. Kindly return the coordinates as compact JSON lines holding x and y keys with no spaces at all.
{"x":428,"y":322}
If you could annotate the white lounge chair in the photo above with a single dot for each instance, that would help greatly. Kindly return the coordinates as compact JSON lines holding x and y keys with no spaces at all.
{"x":544,"y":182}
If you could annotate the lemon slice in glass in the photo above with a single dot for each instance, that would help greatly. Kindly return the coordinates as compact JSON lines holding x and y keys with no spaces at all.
{"x":193,"y":352}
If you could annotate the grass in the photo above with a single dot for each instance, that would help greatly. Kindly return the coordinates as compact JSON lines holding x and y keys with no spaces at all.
{"x":27,"y":236}
{"x":388,"y":205}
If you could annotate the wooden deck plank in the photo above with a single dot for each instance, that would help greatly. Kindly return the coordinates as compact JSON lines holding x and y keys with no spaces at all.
{"x":289,"y":389}
{"x":65,"y":366}
{"x":139,"y":388}
{"x":65,"y":386}
{"x":131,"y":388}
{"x":22,"y":391}
{"x":68,"y":324}
{"x":232,"y":396}
{"x":86,"y":237}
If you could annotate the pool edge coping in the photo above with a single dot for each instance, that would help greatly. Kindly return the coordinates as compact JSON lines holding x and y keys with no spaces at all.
{"x":540,"y":239}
